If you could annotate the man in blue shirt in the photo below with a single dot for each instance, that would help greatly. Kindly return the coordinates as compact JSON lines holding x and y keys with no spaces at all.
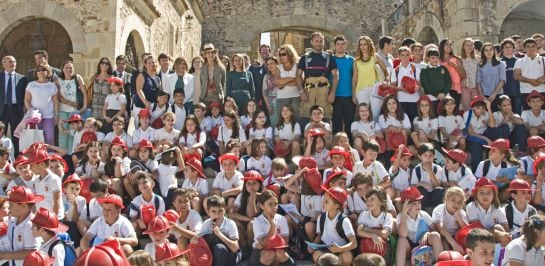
{"x":343,"y":107}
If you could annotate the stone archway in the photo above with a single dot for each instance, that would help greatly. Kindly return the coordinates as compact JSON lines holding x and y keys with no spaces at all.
{"x":427,"y":36}
{"x":429,"y":26}
{"x":37,"y":34}
{"x":523,"y":19}
{"x":134,"y":48}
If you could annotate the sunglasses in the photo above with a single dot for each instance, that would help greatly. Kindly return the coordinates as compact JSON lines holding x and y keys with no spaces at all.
{"x":283,"y":54}
{"x":104,"y":63}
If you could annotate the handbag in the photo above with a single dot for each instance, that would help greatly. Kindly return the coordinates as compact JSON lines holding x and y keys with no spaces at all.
{"x":30,"y":136}
{"x":378,"y":71}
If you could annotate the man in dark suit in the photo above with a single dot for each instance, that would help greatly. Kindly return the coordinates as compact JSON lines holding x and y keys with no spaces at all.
{"x":12,"y":97}
{"x":41,"y":57}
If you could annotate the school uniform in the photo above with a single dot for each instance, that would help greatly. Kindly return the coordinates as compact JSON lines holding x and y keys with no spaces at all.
{"x":264,"y":133}
{"x":527,"y":164}
{"x":384,"y":122}
{"x":7,"y":169}
{"x":451,"y":122}
{"x":433,"y":196}
{"x":326,"y":126}
{"x":531,"y":119}
{"x":492,"y":170}
{"x":81,"y":208}
{"x":191,"y":139}
{"x":516,"y":251}
{"x":287,"y":131}
{"x":222,"y":183}
{"x":465,"y":180}
{"x":139,"y":200}
{"x":226,"y":134}
{"x":311,"y":205}
{"x":221,"y":254}
{"x":368,"y":128}
{"x":166,"y":177}
{"x":441,"y":215}
{"x":402,"y":179}
{"x":76,"y":140}
{"x":125,"y":137}
{"x":262,"y":165}
{"x":261,"y":227}
{"x":101,"y":230}
{"x":95,"y":210}
{"x":321,"y":157}
{"x":209,"y":122}
{"x":57,"y":252}
{"x":478,"y":124}
{"x":330,"y":235}
{"x":20,"y":237}
{"x":201,"y":186}
{"x":412,"y":224}
{"x":139,"y":134}
{"x":84,"y":170}
{"x":383,"y":221}
{"x":47,"y":186}
{"x":375,"y":169}
{"x":488,"y":218}
{"x":245,"y":120}
{"x":181,"y":114}
{"x":158,"y":111}
{"x":162,"y":134}
{"x":193,"y":222}
{"x":348,"y":176}
{"x":19,"y":181}
{"x":519,"y":217}
{"x":427,"y":125}
{"x":150,"y":249}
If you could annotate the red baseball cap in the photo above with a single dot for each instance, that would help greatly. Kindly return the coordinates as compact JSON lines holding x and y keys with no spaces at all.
{"x":38,"y":258}
{"x":229,"y":156}
{"x":253,"y":175}
{"x":171,"y":215}
{"x":196,"y":165}
{"x":48,"y":220}
{"x":116,"y":80}
{"x":519,"y":184}
{"x":158,"y":224}
{"x":484,"y":182}
{"x":20,"y":160}
{"x":500,"y":144}
{"x":20,"y":194}
{"x":144,"y":113}
{"x":74,"y":118}
{"x":338,"y":194}
{"x":144,"y":143}
{"x":88,"y":137}
{"x":336,"y":171}
{"x":119,"y":142}
{"x":73,"y":178}
{"x":533,"y":94}
{"x":476,"y":99}
{"x":305,"y":161}
{"x":168,"y":251}
{"x":457,"y":155}
{"x":113,"y":199}
{"x":314,"y":180}
{"x":410,"y":193}
{"x":405,"y":152}
{"x":535,"y":142}
{"x":56,"y":157}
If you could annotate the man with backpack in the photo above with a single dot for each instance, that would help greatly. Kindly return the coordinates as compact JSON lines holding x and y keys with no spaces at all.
{"x":47,"y":226}
{"x":313,"y":83}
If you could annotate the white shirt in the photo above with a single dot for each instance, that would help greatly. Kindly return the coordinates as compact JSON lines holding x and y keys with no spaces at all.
{"x":139,"y":134}
{"x":228,"y":227}
{"x":451,"y":122}
{"x":115,"y":101}
{"x":95,"y":209}
{"x":392,"y":121}
{"x":261,"y":227}
{"x":84,"y":171}
{"x":262,"y":165}
{"x":120,"y":228}
{"x":406,"y":72}
{"x":348,"y":176}
{"x":166,"y":176}
{"x":327,"y":126}
{"x":125,"y":137}
{"x":330,"y":235}
{"x":479,"y":124}
{"x":356,"y":203}
{"x":13,"y":85}
{"x":531,"y":69}
{"x":225,"y":134}
{"x":286,"y":132}
{"x":368,"y":128}
{"x":441,"y":215}
{"x":58,"y":251}
{"x":42,"y":97}
{"x":412,"y":224}
{"x":191,"y":139}
{"x":402,"y":179}
{"x":321,"y":157}
{"x":383,"y":221}
{"x":169,"y":84}
{"x":426,"y":124}
{"x":28,"y":184}
{"x":223,"y":184}
{"x":201,"y":186}
{"x":20,"y":236}
{"x":516,"y":251}
{"x":287,"y":91}
{"x":162,"y":134}
{"x":46,"y":187}
{"x":492,"y":170}
{"x":518,"y":218}
{"x":245,"y":120}
{"x":532,"y":120}
{"x":264,"y":133}
{"x":424,"y":176}
{"x":81,"y":208}
{"x":466,"y":182}
{"x":488,"y":218}
{"x":181,"y":114}
{"x":138,"y":201}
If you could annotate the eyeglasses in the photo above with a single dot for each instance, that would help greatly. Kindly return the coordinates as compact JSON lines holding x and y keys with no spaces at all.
{"x":283,"y":54}
{"x":209,"y":52}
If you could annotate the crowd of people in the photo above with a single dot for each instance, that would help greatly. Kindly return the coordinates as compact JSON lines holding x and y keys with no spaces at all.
{"x":386,"y":156}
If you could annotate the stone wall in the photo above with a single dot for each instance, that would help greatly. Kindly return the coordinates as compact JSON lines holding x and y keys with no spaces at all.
{"x":232,"y":25}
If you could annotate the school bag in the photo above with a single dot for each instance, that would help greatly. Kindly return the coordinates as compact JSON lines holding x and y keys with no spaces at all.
{"x":463,"y":169}
{"x":338,"y":226}
{"x":69,"y":250}
{"x":133,"y":207}
{"x":418,"y":172}
{"x":486,"y":166}
{"x":509,"y":213}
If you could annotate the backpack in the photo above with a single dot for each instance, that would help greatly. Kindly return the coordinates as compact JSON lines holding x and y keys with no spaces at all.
{"x":463,"y":173}
{"x":413,"y":69}
{"x":173,"y":109}
{"x":198,"y":133}
{"x":486,"y":166}
{"x":69,"y":250}
{"x":509,"y":213}
{"x":156,"y":204}
{"x":79,"y":94}
{"x":338,"y":226}
{"x":418,"y":172}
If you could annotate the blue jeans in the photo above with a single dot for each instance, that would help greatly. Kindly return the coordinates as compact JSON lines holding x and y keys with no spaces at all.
{"x":476,"y":149}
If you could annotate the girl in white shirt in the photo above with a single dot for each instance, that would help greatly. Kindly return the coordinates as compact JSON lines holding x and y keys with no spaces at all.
{"x":230,"y":129}
{"x":451,"y":125}
{"x":450,"y":216}
{"x":425,"y":125}
{"x":364,"y":128}
{"x":189,"y":222}
{"x":392,"y":119}
{"x":287,"y":131}
{"x":167,"y":136}
{"x":260,"y":129}
{"x":375,"y":223}
{"x":528,"y":249}
{"x":258,"y":158}
{"x":114,"y":104}
{"x":246,"y":118}
{"x":192,"y":139}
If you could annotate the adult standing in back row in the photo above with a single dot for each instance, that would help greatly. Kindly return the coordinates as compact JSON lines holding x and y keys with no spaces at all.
{"x":314,"y":86}
{"x":212,"y":77}
{"x":343,"y":107}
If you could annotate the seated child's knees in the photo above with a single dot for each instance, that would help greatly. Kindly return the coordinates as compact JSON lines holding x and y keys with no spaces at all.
{"x":127,"y":249}
{"x":434,"y":236}
{"x":346,"y":257}
{"x":499,"y":227}
{"x":267,"y":257}
{"x":281,"y":255}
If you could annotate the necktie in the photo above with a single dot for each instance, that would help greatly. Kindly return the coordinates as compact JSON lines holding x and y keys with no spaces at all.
{"x":9,"y":93}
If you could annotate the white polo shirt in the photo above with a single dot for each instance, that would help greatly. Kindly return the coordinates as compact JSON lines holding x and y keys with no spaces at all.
{"x":441,"y":215}
{"x":138,"y":201}
{"x":348,"y":176}
{"x":375,"y":169}
{"x":412,"y":224}
{"x":125,"y":137}
{"x":402,"y":179}
{"x":392,"y":121}
{"x":84,"y":171}
{"x":488,"y":218}
{"x":264,"y":133}
{"x":479,"y":124}
{"x":81,"y":208}
{"x":531,"y":119}
{"x":330,"y":235}
{"x":451,"y":122}
{"x":287,"y":132}
{"x":426,"y":124}
{"x":222,"y":183}
{"x":383,"y":221}
{"x":162,"y":134}
{"x":424,"y":176}
{"x":201,"y":186}
{"x":406,"y":72}
{"x":121,"y":228}
{"x":519,"y":218}
{"x":466,"y":182}
{"x":356,"y":203}
{"x":193,"y":222}
{"x":516,"y":251}
{"x":225,"y":134}
{"x":492,"y":171}
{"x":20,"y":236}
{"x":368,"y":128}
{"x":261,"y":227}
{"x":228,"y":227}
{"x":166,"y":177}
{"x":322,"y":157}
{"x":139,"y":134}
{"x":95,"y":209}
{"x":28,"y":184}
{"x":531,"y":69}
{"x":262,"y":165}
{"x":191,"y":138}
{"x":58,"y":251}
{"x":46,"y":187}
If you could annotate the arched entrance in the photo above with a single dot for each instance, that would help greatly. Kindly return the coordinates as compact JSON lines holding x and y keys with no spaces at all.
{"x":37,"y":34}
{"x":524,"y":20}
{"x":427,"y":36}
{"x":134,"y":49}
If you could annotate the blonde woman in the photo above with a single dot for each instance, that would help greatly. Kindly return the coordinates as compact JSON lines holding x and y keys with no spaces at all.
{"x":285,"y":80}
{"x":240,"y":82}
{"x":366,"y":76}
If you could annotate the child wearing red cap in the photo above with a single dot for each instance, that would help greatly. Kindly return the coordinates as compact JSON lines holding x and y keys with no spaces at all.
{"x":114,"y":104}
{"x":189,"y":222}
{"x":21,"y":203}
{"x":146,"y":183}
{"x":450,"y":216}
{"x":214,"y":118}
{"x":519,"y":209}
{"x":144,"y":131}
{"x":144,"y":161}
{"x":535,"y":146}
{"x":451,"y":125}
{"x":118,"y":124}
{"x":75,"y":206}
{"x":158,"y":231}
{"x":25,"y":177}
{"x":486,"y":210}
{"x":46,"y":226}
{"x":534,"y":118}
{"x":195,"y":181}
{"x":338,"y":243}
{"x":271,"y":233}
{"x":316,"y":147}
{"x":338,"y":156}
{"x":480,"y":247}
{"x":413,"y":220}
{"x":456,"y":173}
{"x":400,"y":171}
{"x":47,"y":183}
{"x":527,"y":249}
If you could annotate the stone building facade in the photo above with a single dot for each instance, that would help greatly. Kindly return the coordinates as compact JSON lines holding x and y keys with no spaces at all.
{"x":488,"y":20}
{"x":88,"y":30}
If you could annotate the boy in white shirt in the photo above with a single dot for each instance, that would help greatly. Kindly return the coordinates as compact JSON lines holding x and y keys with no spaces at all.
{"x":480,"y":247}
{"x":145,"y":185}
{"x":179,"y":109}
{"x":425,"y":176}
{"x":519,"y":209}
{"x":142,"y":132}
{"x":370,"y":165}
{"x":46,"y":226}
{"x":534,"y":118}
{"x":25,"y":176}
{"x":456,"y":173}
